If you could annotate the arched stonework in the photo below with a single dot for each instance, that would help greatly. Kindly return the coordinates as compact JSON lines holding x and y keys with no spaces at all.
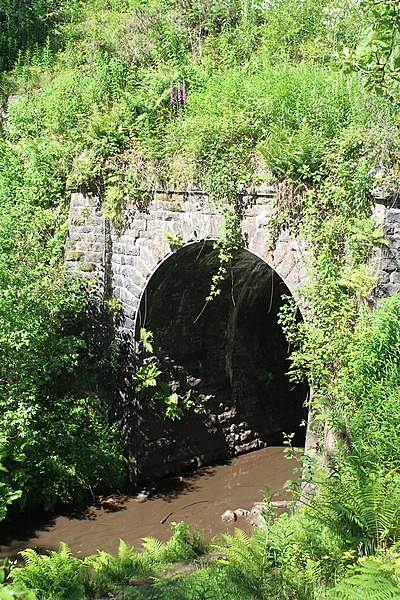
{"x":124,"y":261}
{"x":132,"y":263}
{"x":235,"y":346}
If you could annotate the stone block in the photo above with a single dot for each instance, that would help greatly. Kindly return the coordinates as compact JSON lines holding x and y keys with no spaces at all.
{"x":94,"y":257}
{"x":148,"y":257}
{"x":395,"y":277}
{"x":140,"y":266}
{"x":84,"y":229}
{"x":132,"y":250}
{"x":119,"y":248}
{"x":390,"y":289}
{"x":240,"y":449}
{"x":133,"y":288}
{"x":129,"y":310}
{"x":244,"y":437}
{"x":384,"y":278}
{"x":137,"y":278}
{"x":389,"y":265}
{"x":286,"y":265}
{"x":392,"y":215}
{"x":78,"y":199}
{"x":93,"y":247}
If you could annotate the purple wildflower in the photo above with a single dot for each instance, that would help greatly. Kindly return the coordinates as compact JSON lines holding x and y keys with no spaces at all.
{"x":183,"y":92}
{"x":179,"y":92}
{"x":171,"y":94}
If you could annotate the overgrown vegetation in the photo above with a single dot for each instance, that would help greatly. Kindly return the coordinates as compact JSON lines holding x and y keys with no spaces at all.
{"x":89,"y":95}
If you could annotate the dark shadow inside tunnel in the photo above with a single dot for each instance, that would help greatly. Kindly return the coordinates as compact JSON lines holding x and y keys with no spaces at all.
{"x":229,"y":354}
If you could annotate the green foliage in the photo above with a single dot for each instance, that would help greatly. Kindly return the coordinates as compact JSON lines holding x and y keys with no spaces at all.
{"x":175,"y":404}
{"x":51,"y":437}
{"x":360,"y":507}
{"x":113,"y":305}
{"x":108,"y":571}
{"x":247,"y":562}
{"x":8,"y":593}
{"x":377,"y":55}
{"x":174,"y":239}
{"x":28,"y":25}
{"x":368,"y":387}
{"x":59,"y":575}
{"x":373,"y":578}
{"x":146,"y":339}
{"x":209,"y":582}
{"x":47,"y":470}
{"x":7,"y":495}
{"x":180,"y":547}
{"x":146,"y":376}
{"x":56,"y":576}
{"x":91,"y":109}
{"x":229,"y":240}
{"x":148,"y":382}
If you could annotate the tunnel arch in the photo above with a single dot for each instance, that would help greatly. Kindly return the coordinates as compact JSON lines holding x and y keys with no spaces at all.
{"x":270,"y":259}
{"x":229,"y":354}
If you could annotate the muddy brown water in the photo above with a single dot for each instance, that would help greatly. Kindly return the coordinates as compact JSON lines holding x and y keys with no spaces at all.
{"x":197,"y":498}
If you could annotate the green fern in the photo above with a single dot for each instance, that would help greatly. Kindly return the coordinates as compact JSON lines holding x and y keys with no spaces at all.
{"x":180,"y":547}
{"x":56,"y":576}
{"x":154,"y":549}
{"x":108,"y":570}
{"x":362,"y":508}
{"x":209,"y":582}
{"x":372,"y":579}
{"x":247,"y":562}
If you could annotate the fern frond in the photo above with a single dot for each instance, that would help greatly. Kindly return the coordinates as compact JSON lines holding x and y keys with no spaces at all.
{"x":154,"y":548}
{"x":372,"y":580}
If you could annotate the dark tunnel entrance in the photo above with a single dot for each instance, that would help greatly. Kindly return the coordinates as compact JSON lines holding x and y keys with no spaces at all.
{"x":229,"y":354}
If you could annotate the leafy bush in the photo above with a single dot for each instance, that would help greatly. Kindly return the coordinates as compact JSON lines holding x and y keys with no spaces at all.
{"x":247,"y":564}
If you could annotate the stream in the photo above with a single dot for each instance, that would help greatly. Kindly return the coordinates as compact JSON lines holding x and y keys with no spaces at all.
{"x":198,"y":498}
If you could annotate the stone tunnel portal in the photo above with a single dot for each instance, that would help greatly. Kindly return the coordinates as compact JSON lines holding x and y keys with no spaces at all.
{"x":230,"y":353}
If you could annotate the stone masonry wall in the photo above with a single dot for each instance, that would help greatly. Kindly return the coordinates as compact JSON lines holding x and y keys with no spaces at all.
{"x":86,"y":250}
{"x":124,"y":261}
{"x":387,"y":258}
{"x":130,"y":264}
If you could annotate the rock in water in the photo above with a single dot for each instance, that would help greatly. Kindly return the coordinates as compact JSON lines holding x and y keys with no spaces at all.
{"x":142,"y":497}
{"x":241,"y":512}
{"x":228,"y":516}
